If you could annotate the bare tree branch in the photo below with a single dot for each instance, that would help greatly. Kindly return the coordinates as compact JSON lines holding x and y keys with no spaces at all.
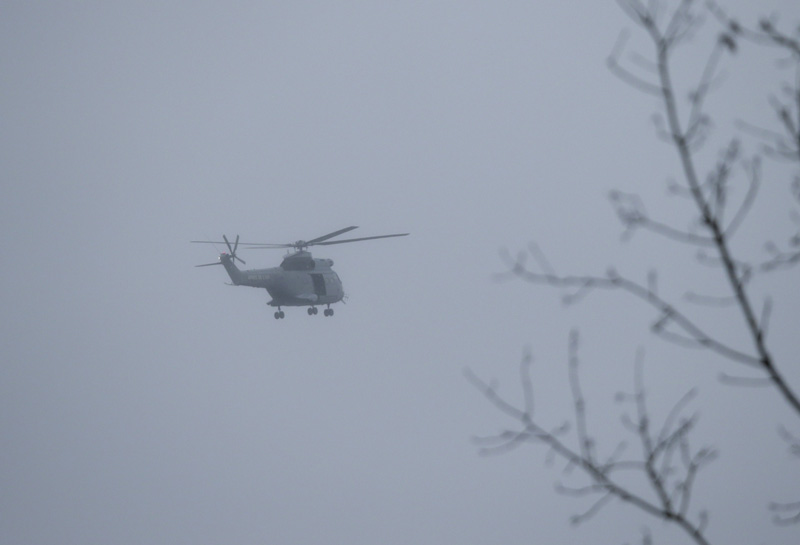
{"x":668,"y":312}
{"x":749,"y":199}
{"x":668,"y":465}
{"x":663,"y":42}
{"x":625,"y":75}
{"x":660,"y":475}
{"x":631,"y":213}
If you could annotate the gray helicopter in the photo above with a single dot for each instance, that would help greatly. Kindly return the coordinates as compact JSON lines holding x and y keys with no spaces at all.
{"x":300,"y":281}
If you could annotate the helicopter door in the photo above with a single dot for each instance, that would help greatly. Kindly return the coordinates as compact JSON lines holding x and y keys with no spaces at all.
{"x":319,"y":284}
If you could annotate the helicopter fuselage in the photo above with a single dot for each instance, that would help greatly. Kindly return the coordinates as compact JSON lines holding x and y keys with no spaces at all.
{"x":300,"y":280}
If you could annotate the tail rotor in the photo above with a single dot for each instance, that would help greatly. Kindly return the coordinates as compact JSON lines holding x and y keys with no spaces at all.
{"x":232,"y":249}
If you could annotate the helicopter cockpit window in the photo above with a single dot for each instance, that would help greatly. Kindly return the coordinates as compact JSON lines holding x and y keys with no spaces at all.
{"x":297,"y":264}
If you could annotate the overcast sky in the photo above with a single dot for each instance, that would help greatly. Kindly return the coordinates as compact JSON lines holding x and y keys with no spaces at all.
{"x":144,"y":401}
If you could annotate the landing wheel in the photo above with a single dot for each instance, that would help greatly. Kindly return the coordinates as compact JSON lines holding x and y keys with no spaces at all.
{"x":312,"y":311}
{"x":279,"y":315}
{"x":328,"y":312}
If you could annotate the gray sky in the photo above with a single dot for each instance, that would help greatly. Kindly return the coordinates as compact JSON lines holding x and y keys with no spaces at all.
{"x":144,"y":401}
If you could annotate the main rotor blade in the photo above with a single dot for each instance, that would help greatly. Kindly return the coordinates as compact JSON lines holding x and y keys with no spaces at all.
{"x":209,"y":264}
{"x":357,"y":239}
{"x":331,"y":235}
{"x":258,"y":244}
{"x":319,"y":241}
{"x":254,"y":246}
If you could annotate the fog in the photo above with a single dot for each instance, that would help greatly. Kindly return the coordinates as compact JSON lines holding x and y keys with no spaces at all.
{"x":143,"y":400}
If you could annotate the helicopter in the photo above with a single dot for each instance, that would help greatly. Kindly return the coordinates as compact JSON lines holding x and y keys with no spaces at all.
{"x":300,"y":280}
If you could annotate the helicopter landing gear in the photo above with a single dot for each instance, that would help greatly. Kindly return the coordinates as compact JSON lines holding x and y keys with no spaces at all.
{"x":279,"y":315}
{"x":312,"y":311}
{"x":328,"y":312}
